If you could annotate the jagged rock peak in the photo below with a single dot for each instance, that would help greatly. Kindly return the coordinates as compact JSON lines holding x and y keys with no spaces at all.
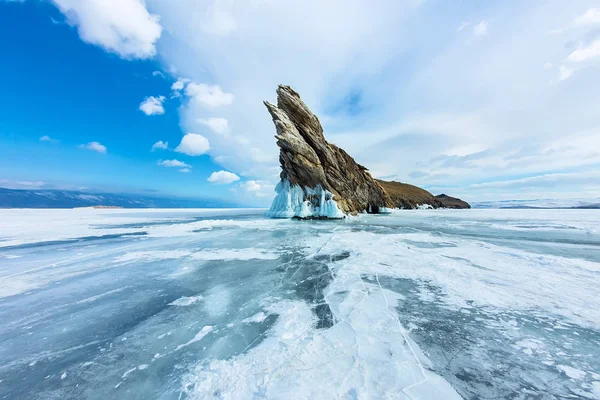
{"x":308,"y":161}
{"x":320,"y":180}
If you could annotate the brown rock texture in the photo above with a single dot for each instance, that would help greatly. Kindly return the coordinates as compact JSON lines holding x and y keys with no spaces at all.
{"x":451,"y":202}
{"x":308,"y":160}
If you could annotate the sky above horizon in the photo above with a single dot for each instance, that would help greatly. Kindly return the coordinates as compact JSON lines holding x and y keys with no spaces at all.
{"x":480,"y":100}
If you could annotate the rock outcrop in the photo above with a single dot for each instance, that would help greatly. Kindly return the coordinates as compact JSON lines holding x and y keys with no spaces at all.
{"x":320,"y":180}
{"x":451,"y":202}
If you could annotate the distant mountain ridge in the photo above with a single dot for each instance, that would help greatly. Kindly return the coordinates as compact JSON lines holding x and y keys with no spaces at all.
{"x":540,"y":204}
{"x":50,"y":198}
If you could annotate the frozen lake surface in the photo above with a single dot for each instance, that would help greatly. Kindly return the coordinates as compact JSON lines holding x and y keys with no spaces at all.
{"x":225,"y":304}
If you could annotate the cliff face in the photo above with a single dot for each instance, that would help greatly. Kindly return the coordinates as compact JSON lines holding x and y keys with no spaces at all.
{"x":308,"y":160}
{"x":317,"y":177}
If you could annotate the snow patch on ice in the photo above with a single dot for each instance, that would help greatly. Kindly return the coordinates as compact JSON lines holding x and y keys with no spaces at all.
{"x":297,"y":360}
{"x":256,"y":318}
{"x":234,"y":254}
{"x":571,"y":372}
{"x":101,"y":295}
{"x":186,"y":301}
{"x":152,"y":255}
{"x":199,"y":336}
{"x":468,"y":270}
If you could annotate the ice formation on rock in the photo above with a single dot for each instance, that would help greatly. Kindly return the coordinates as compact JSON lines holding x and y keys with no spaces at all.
{"x":295,"y":201}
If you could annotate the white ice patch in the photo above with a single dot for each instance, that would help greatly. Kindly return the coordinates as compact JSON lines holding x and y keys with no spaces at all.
{"x":297,"y":361}
{"x":217,"y":300}
{"x":290,"y":202}
{"x":198,"y":227}
{"x":529,"y":346}
{"x":185,"y":301}
{"x":152,"y":255}
{"x":101,"y":295}
{"x":24,"y":226}
{"x":468,"y":270}
{"x":234,"y":254}
{"x":571,"y":372}
{"x":199,"y":336}
{"x":256,"y":318}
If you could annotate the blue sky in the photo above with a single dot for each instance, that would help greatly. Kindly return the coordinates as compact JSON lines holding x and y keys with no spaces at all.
{"x":483,"y":100}
{"x":58,"y":86}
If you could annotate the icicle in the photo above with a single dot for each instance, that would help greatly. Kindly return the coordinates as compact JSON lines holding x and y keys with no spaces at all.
{"x":291,"y":201}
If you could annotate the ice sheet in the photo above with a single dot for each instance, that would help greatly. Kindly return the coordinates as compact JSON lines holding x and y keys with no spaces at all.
{"x":228,"y":304}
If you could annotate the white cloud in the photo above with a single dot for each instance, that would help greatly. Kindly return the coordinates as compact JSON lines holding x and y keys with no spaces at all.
{"x":223,"y":177}
{"x":160,"y":145}
{"x":565,"y":73}
{"x":208,"y":95}
{"x":463,"y":26}
{"x":481,"y":29}
{"x":153,"y":105}
{"x":179,"y":84}
{"x":185,"y":170}
{"x":217,"y":125}
{"x":586,"y":52}
{"x":590,"y":17}
{"x":587,"y":177}
{"x":219,"y":20}
{"x":94,"y":146}
{"x":158,"y":73}
{"x":255,"y":189}
{"x":5,"y":183}
{"x":173,"y":164}
{"x":250,"y":186}
{"x":193,"y":144}
{"x":390,"y":115}
{"x":47,"y":138}
{"x":124,"y":27}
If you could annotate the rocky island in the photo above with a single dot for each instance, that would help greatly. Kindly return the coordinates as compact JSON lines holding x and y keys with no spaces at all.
{"x":321,"y":180}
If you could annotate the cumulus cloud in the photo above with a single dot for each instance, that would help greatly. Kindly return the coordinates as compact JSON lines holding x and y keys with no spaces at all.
{"x":174,"y":164}
{"x":160,"y":145}
{"x":179,"y":84}
{"x":585,"y":52}
{"x":253,"y":189}
{"x":47,"y":138}
{"x":565,"y":72}
{"x":217,"y":125}
{"x":208,"y":95}
{"x":481,"y":29}
{"x":590,"y":17}
{"x":391,"y":115}
{"x":153,"y":105}
{"x":94,"y":146}
{"x":223,"y":177}
{"x":124,"y":27}
{"x":193,"y":144}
